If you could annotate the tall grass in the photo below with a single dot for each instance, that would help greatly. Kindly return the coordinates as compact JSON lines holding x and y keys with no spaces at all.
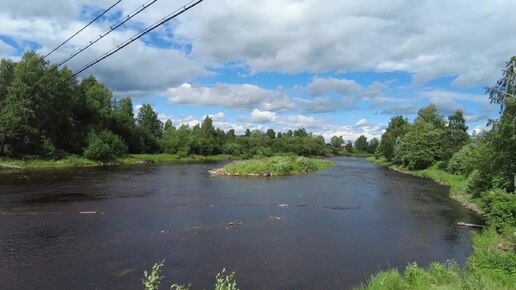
{"x":489,"y":267}
{"x":152,"y":280}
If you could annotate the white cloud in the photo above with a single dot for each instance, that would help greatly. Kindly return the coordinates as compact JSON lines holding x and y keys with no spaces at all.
{"x":230,"y":96}
{"x":300,"y":121}
{"x":362,"y":122}
{"x":258,"y":116}
{"x":428,"y":38}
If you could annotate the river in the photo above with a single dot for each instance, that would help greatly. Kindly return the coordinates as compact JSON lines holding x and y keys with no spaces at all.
{"x":341,"y":225}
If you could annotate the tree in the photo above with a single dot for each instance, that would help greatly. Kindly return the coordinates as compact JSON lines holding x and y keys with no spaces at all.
{"x":349,"y":146}
{"x":271,"y":134}
{"x":168,"y":126}
{"x":456,"y":136}
{"x":457,"y":131}
{"x":398,"y":127}
{"x":430,"y":115}
{"x":420,"y":147}
{"x":373,"y":144}
{"x":361,"y":143}
{"x":207,"y":129}
{"x":148,"y":120}
{"x":6,"y":78}
{"x":336,"y":141}
{"x":499,"y":163}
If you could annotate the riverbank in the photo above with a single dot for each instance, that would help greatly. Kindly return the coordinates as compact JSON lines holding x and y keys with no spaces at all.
{"x":278,"y":165}
{"x":492,"y":264}
{"x":456,"y":183}
{"x":74,"y":161}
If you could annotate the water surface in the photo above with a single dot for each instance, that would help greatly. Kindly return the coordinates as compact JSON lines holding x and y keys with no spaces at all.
{"x":341,"y":225}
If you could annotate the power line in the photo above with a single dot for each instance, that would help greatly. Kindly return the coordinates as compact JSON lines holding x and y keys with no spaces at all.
{"x":127,"y":18}
{"x":171,"y":16}
{"x":80,"y":30}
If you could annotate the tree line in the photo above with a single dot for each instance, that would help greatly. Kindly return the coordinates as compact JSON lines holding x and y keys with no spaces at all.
{"x":46,"y":113}
{"x":488,"y":158}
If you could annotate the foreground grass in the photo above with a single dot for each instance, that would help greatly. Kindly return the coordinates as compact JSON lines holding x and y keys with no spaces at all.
{"x":492,"y":264}
{"x":74,"y":161}
{"x":277,"y":165}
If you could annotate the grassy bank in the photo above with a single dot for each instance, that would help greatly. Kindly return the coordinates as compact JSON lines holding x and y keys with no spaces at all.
{"x":278,"y":165}
{"x":457,"y":183}
{"x":73,"y":161}
{"x":492,"y":264}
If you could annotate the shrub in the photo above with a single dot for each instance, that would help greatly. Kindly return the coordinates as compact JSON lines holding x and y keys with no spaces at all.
{"x":104,"y":146}
{"x":500,"y":208}
{"x":48,"y":150}
{"x":463,"y":162}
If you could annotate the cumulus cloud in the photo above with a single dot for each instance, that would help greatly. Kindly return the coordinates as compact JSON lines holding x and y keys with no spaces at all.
{"x":426,"y":38}
{"x":300,"y":121}
{"x":258,"y":116}
{"x":230,"y":96}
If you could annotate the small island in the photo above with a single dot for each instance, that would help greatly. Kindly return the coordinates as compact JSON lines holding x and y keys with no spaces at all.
{"x":277,"y":165}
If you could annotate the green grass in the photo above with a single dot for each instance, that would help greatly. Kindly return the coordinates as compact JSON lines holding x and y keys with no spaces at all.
{"x":457,"y":183}
{"x":73,"y":161}
{"x":277,"y":165}
{"x":170,"y":158}
{"x":491,"y":266}
{"x":70,"y":161}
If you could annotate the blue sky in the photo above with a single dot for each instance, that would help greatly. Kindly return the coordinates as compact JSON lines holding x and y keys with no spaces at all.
{"x":332,"y":68}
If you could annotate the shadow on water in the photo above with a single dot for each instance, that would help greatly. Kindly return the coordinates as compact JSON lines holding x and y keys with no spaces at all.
{"x":99,"y":228}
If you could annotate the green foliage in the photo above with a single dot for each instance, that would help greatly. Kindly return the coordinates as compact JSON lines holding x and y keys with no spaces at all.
{"x":225,"y":281}
{"x":463,"y":162}
{"x":361,"y":143}
{"x":398,"y":127}
{"x":499,"y":208}
{"x":148,"y":120}
{"x":420,"y":147}
{"x":430,"y":115}
{"x":489,"y":267}
{"x":336,"y":142}
{"x":152,"y":280}
{"x":277,"y":165}
{"x":104,"y":146}
{"x":373,"y":145}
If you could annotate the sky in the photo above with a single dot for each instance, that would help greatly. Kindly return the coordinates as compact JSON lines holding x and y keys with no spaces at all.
{"x":333,"y":67}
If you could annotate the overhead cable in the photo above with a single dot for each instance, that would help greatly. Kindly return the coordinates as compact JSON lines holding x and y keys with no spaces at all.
{"x":171,"y":16}
{"x":80,"y":30}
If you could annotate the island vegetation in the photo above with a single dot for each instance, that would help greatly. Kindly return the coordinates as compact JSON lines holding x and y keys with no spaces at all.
{"x":277,"y":165}
{"x":50,"y":119}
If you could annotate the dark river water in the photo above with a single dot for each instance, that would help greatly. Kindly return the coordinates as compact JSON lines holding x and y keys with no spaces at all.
{"x":341,"y":225}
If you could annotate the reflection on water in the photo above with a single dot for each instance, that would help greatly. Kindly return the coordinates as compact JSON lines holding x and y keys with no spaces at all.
{"x":341,"y":225}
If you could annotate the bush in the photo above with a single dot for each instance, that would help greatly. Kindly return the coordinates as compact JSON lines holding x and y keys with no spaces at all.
{"x":48,"y":150}
{"x":500,"y":208}
{"x":463,"y":162}
{"x":104,"y":146}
